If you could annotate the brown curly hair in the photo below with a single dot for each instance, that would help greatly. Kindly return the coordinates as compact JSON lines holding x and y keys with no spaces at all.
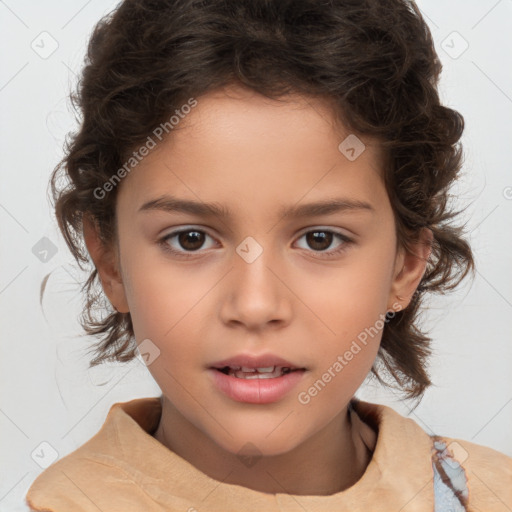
{"x":373,"y":60}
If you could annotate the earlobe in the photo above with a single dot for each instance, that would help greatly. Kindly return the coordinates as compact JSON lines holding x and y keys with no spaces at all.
{"x":106,"y":264}
{"x":410,"y":270}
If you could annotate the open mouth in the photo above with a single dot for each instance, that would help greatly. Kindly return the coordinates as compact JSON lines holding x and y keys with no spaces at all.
{"x":269,"y":372}
{"x":255,"y":380}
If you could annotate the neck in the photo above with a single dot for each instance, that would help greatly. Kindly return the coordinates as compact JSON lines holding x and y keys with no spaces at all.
{"x":330,"y":461}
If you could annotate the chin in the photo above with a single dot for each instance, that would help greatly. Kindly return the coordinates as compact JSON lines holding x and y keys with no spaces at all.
{"x":256,"y":441}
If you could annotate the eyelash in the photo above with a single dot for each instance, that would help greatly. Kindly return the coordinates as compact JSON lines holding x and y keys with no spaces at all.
{"x":163,"y":242}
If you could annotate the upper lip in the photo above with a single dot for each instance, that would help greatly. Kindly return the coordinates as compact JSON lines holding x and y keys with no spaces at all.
{"x":252,"y":361}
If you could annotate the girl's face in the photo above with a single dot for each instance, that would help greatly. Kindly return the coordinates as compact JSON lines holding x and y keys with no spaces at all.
{"x":305,"y":291}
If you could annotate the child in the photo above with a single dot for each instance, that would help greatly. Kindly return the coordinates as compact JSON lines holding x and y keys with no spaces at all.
{"x":262,"y":130}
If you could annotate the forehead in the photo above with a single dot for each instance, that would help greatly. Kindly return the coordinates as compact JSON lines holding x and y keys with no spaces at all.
{"x":235,"y":114}
{"x":236,"y":146}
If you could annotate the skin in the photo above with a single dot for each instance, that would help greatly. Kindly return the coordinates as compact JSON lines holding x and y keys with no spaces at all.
{"x":254,"y":155}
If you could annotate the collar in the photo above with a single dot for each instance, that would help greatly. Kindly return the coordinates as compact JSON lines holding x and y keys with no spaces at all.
{"x":397,"y":477}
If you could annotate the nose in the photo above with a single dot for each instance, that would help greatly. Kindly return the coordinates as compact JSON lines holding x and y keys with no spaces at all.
{"x":255,"y":294}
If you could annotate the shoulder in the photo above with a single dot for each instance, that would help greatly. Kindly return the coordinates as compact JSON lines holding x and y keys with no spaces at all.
{"x":71,"y":483}
{"x":487,"y":473}
{"x":98,"y":474}
{"x":80,"y":482}
{"x":479,"y":476}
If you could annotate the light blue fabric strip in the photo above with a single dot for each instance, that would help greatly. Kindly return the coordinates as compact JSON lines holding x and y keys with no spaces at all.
{"x":444,"y":497}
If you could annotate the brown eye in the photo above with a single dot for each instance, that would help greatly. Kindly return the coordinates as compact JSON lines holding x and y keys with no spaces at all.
{"x":191,"y":240}
{"x":319,"y":240}
{"x":184,"y":241}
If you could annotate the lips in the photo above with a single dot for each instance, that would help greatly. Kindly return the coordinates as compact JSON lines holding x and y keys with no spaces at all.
{"x":262,"y":379}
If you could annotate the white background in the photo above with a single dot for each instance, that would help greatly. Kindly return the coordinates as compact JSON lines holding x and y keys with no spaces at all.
{"x":48,"y":394}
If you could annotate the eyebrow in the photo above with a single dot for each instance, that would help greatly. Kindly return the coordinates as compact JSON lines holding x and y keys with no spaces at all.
{"x":172,"y":204}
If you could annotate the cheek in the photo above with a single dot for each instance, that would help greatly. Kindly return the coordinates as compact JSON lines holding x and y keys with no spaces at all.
{"x":335,"y":380}
{"x":351,"y":298}
{"x":162,"y":297}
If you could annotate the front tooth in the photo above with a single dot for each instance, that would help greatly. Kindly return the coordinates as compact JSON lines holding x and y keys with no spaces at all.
{"x":253,"y":375}
{"x":257,"y":375}
{"x":268,"y":369}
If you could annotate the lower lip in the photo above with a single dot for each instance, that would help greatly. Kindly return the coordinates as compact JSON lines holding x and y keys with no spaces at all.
{"x":256,"y":391}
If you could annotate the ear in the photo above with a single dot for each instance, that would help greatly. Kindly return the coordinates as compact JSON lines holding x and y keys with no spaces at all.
{"x":106,"y":263}
{"x":408,"y":271}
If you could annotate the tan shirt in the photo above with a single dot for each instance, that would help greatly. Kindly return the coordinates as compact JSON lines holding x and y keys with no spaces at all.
{"x":123,"y":468}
